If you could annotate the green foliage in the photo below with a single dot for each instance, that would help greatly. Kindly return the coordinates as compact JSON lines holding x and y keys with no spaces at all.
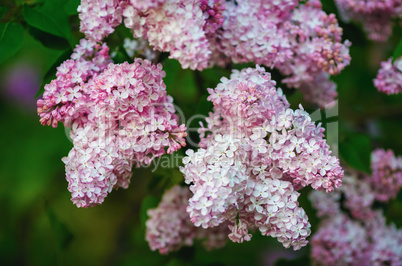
{"x":62,"y":234}
{"x":180,"y":83}
{"x":398,"y":51}
{"x":355,"y":149}
{"x":3,"y":11}
{"x":11,"y":39}
{"x":71,"y":7}
{"x":49,"y":17}
{"x":48,"y":40}
{"x":149,"y":202}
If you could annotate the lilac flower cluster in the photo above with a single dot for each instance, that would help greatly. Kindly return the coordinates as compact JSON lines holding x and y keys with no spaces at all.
{"x":342,"y":241}
{"x":174,"y":26}
{"x":375,"y":15}
{"x":63,"y":94}
{"x":255,"y":153}
{"x":389,"y":77}
{"x":169,"y":226}
{"x":352,"y":232}
{"x":99,"y":18}
{"x":301,"y":40}
{"x":387,"y":174}
{"x":120,"y":116}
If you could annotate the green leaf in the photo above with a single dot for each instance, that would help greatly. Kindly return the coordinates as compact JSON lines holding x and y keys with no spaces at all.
{"x":71,"y":7}
{"x":3,"y":11}
{"x":121,"y":56}
{"x":62,"y":234}
{"x":49,"y":18}
{"x":48,"y":40}
{"x":180,"y":83}
{"x":356,"y":151}
{"x":51,"y":73}
{"x":398,"y":51}
{"x":11,"y":39}
{"x":148,"y":202}
{"x":204,"y":106}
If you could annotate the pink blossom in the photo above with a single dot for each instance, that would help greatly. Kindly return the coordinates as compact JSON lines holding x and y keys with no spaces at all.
{"x":389,"y":77}
{"x":251,"y":161}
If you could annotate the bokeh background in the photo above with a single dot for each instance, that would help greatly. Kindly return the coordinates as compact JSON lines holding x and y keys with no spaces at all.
{"x":40,"y":226}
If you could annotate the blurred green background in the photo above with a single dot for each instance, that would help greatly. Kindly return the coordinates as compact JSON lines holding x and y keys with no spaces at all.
{"x":40,"y":226}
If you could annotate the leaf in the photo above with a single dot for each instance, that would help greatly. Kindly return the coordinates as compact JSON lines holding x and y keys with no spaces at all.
{"x":148,"y":202}
{"x":71,"y":7}
{"x":51,"y":73}
{"x":180,"y":83}
{"x":63,"y":235}
{"x":48,"y":40}
{"x":121,"y":56}
{"x":398,"y":51}
{"x":49,"y":18}
{"x":11,"y":39}
{"x":3,"y":11}
{"x":204,"y":106}
{"x":356,"y":151}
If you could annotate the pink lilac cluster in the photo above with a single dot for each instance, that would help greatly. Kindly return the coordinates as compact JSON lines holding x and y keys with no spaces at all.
{"x":99,"y":18}
{"x":375,"y":15}
{"x":342,"y":241}
{"x":303,"y":42}
{"x":169,"y":227}
{"x":386,"y":178}
{"x":175,"y":26}
{"x":59,"y":100}
{"x":255,"y":153}
{"x":359,"y":191}
{"x":389,"y":77}
{"x":119,"y":116}
{"x":339,"y":241}
{"x":352,"y":231}
{"x":213,"y":14}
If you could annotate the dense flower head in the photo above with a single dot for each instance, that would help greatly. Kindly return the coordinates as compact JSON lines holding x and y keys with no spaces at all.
{"x":98,"y":18}
{"x":321,"y":90}
{"x":255,"y":153}
{"x":359,"y":192}
{"x":343,"y":241}
{"x":176,"y":26}
{"x":300,"y":39}
{"x":389,"y":77}
{"x":352,"y":231}
{"x":386,"y":179}
{"x":303,"y":42}
{"x":375,"y":15}
{"x":213,"y":14}
{"x":169,"y":226}
{"x":339,"y":241}
{"x":60,"y":97}
{"x":144,"y":5}
{"x":119,"y":116}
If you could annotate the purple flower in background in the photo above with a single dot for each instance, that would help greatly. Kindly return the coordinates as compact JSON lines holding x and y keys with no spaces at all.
{"x":21,"y":83}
